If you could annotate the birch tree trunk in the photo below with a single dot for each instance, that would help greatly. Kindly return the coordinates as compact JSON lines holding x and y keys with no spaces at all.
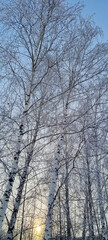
{"x":84,"y":220}
{"x":99,"y":187}
{"x":21,"y":185}
{"x":89,"y":191}
{"x":12,"y":174}
{"x":102,"y":212}
{"x":69,"y":226}
{"x":48,"y":227}
{"x":23,"y":212}
{"x":60,"y":216}
{"x":91,"y":221}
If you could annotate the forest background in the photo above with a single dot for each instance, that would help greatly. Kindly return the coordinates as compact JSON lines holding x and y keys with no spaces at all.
{"x":53,"y":122}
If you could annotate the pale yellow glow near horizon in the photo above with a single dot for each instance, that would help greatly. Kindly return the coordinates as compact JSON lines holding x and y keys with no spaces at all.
{"x":38,"y":229}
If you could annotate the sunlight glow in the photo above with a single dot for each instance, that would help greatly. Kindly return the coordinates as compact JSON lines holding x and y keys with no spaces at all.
{"x":38,"y":229}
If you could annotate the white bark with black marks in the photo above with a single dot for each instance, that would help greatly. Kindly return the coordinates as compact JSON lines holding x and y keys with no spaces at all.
{"x":12,"y":174}
{"x":22,"y":182}
{"x":48,"y":228}
{"x":51,"y":198}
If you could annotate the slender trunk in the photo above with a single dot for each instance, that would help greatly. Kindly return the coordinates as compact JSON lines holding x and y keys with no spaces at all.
{"x":90,"y":204}
{"x":98,"y":176}
{"x":85,"y":220}
{"x":19,"y":194}
{"x":95,"y":217}
{"x":23,"y":210}
{"x":12,"y":174}
{"x":48,"y":228}
{"x":94,"y":213}
{"x":21,"y":186}
{"x":67,"y":202}
{"x":60,"y":217}
{"x":89,"y":192}
{"x":99,"y":188}
{"x":88,"y":216}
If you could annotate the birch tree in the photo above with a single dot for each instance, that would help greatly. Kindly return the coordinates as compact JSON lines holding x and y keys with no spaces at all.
{"x":22,"y":181}
{"x":32,"y":46}
{"x":69,"y":225}
{"x":48,"y":229}
{"x":98,"y":121}
{"x":84,"y":68}
{"x":92,"y":142}
{"x":51,"y":58}
{"x":37,"y":29}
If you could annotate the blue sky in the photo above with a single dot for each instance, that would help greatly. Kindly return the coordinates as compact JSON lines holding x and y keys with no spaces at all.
{"x":100,"y":10}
